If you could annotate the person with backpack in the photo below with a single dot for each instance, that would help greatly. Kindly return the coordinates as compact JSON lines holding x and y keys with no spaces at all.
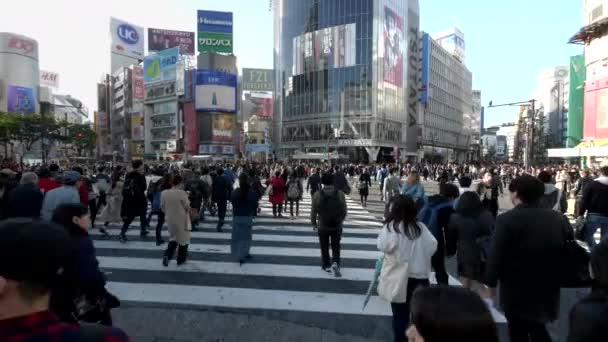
{"x":314,"y":182}
{"x":553,"y":198}
{"x":435,"y":214}
{"x":327,"y":215}
{"x":154,"y":192}
{"x":134,"y":201}
{"x":294,"y":194}
{"x":340,"y":181}
{"x":207,"y":186}
{"x":194,"y":187}
{"x":408,"y":246}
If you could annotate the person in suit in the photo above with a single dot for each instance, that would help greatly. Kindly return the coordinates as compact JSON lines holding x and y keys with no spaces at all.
{"x":527,"y":242}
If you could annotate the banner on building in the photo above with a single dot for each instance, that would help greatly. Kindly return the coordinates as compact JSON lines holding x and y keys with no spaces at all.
{"x":215,"y":91}
{"x":158,"y":91}
{"x":223,"y":128}
{"x":413,"y":78}
{"x":260,"y":104}
{"x":137,"y":126}
{"x":20,"y":100}
{"x":215,"y":32}
{"x":258,"y":79}
{"x":138,"y":83}
{"x":49,"y":79}
{"x":328,"y":48}
{"x":19,"y":45}
{"x":393,"y":47}
{"x":127,"y":39}
{"x":426,"y":65}
{"x":159,"y":40}
{"x":191,"y":138}
{"x":161,"y":66}
{"x":577,"y":94}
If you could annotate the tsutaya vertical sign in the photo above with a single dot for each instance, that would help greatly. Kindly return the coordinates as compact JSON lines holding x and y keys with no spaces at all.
{"x":413,"y":84}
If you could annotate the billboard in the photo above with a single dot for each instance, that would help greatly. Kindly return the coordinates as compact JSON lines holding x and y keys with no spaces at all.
{"x":256,"y":103}
{"x":577,"y":94}
{"x":258,"y":79}
{"x":393,"y":47}
{"x":161,"y":66}
{"x":127,"y":39}
{"x":20,"y":100}
{"x":159,"y":40}
{"x":215,"y":42}
{"x":223,"y":128}
{"x":137,"y":126}
{"x":19,"y":45}
{"x":191,"y":138}
{"x":215,"y":32}
{"x":331,"y":47}
{"x":413,"y":78}
{"x":596,"y":109}
{"x":426,"y":65}
{"x":215,"y":91}
{"x":138,"y":83}
{"x":49,"y":79}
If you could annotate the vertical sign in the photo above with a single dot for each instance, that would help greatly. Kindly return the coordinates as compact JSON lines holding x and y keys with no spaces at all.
{"x":215,"y":32}
{"x":138,"y":83}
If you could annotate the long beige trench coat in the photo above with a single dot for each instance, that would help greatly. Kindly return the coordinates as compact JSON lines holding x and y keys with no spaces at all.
{"x":176,"y":206}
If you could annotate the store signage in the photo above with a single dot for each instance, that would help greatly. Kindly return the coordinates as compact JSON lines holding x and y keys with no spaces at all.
{"x":215,"y":42}
{"x":20,"y":45}
{"x":161,"y":66}
{"x":127,"y":38}
{"x":258,"y":79}
{"x":159,"y":40}
{"x":355,"y":142}
{"x":49,"y":79}
{"x":160,"y":91}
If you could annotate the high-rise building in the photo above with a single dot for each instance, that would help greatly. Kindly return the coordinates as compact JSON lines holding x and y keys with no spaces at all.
{"x":447,"y":99}
{"x":452,"y":40}
{"x":551,"y":93}
{"x":342,"y":78}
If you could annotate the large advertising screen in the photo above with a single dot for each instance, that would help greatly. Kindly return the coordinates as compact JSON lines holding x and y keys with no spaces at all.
{"x":159,"y":40}
{"x":223,"y":128}
{"x":393,"y":47}
{"x":257,"y":103}
{"x":331,"y":47}
{"x":21,"y":100}
{"x":127,"y":39}
{"x":161,"y":66}
{"x":215,"y":91}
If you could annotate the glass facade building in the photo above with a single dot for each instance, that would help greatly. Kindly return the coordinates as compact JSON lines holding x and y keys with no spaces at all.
{"x":341,"y":66}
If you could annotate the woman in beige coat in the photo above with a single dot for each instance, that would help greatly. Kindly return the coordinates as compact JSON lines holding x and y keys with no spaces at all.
{"x":176,"y":206}
{"x":111,"y":211}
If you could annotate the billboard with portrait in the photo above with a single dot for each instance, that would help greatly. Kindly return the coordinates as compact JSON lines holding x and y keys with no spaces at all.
{"x":159,"y":40}
{"x":127,"y":39}
{"x":393,"y":47}
{"x":258,"y":103}
{"x":21,"y":100}
{"x":215,"y":91}
{"x":331,"y":47}
{"x":223,"y":128}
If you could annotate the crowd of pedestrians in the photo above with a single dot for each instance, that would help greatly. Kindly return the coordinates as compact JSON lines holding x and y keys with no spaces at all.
{"x":50,"y":280}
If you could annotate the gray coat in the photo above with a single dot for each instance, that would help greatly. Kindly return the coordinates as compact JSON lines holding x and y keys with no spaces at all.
{"x":525,"y":260}
{"x":550,"y":198}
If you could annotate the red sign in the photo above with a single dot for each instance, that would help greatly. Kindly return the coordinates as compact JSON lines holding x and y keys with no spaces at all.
{"x":191,"y":134}
{"x":596,"y":110}
{"x":138,"y":83}
{"x":159,"y":40}
{"x":23,"y":46}
{"x":49,"y":79}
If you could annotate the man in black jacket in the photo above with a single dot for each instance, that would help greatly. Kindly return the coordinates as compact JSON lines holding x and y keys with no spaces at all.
{"x":134,"y":201}
{"x":26,"y":199}
{"x":526,"y":249}
{"x":314,"y":182}
{"x":579,"y":189}
{"x":221,"y":191}
{"x":595,"y":203}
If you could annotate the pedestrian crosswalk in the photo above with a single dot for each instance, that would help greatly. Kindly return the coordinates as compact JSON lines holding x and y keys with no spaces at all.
{"x":284,"y":275}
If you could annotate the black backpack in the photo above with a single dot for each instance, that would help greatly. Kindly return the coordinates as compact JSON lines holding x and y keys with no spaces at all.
{"x":130,"y":188}
{"x":331,"y":212}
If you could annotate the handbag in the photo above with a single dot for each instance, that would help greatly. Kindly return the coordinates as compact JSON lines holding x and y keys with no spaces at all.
{"x":393,"y":279}
{"x":485,"y":245}
{"x":575,"y":264}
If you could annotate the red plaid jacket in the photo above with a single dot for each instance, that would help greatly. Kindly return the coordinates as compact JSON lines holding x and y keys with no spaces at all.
{"x":45,"y":327}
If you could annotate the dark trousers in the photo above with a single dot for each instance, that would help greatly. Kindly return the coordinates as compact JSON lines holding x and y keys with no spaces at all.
{"x":221,"y":212}
{"x":491,"y":205}
{"x":401,"y":311}
{"x":129,"y":219}
{"x":297,"y":203}
{"x":327,"y":238}
{"x":159,"y":222}
{"x":277,"y":209}
{"x":93,"y":211}
{"x":522,"y":330}
{"x":438,"y":261}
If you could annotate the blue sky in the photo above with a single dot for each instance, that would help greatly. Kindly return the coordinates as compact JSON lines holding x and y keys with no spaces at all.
{"x":507,"y":42}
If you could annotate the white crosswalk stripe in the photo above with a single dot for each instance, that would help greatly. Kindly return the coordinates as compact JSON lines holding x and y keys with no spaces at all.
{"x":284,"y":274}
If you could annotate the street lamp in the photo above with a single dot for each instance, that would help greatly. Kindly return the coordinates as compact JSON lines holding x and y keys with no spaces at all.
{"x":529,"y":157}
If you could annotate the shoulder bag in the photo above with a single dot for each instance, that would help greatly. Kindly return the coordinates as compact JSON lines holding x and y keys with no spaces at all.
{"x":393,"y":279}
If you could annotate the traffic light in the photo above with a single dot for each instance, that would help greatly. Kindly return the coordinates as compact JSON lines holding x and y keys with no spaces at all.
{"x":79,"y":135}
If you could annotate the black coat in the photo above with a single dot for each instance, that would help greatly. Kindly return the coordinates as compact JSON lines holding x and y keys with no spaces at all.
{"x":588,"y":318}
{"x":137,"y":204}
{"x":221,"y":189}
{"x":24,"y":201}
{"x":524,"y":258}
{"x":461,"y":236}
